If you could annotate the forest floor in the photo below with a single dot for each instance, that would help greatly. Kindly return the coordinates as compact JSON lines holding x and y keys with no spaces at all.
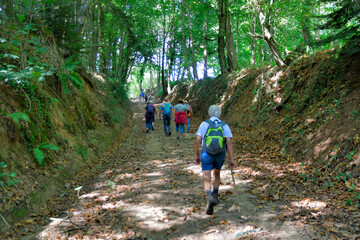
{"x":151,"y":188}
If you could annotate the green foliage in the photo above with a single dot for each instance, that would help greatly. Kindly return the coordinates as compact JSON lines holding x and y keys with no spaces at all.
{"x":11,"y":56}
{"x":111,"y":184}
{"x":82,"y":151}
{"x":354,"y":200}
{"x":355,"y":114}
{"x":343,"y":177}
{"x":67,"y":73}
{"x":343,"y":20}
{"x":116,"y":101}
{"x":72,"y":78}
{"x":350,"y":155}
{"x":5,"y":177}
{"x":39,"y":154}
{"x":17,"y":117}
{"x":173,"y":84}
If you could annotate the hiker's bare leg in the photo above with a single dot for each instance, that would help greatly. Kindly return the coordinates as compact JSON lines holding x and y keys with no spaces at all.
{"x":216,"y":181}
{"x":207,"y":180}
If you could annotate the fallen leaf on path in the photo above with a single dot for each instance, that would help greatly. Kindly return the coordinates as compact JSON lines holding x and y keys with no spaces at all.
{"x":224,"y":222}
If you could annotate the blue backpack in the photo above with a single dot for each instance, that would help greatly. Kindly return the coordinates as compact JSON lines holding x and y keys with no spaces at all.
{"x":166,"y":108}
{"x":150,"y":108}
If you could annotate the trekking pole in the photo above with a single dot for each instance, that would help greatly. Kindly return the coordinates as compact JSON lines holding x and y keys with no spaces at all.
{"x":235,"y":188}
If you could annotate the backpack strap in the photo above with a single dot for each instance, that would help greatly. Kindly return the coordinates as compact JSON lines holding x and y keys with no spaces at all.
{"x":212,"y":123}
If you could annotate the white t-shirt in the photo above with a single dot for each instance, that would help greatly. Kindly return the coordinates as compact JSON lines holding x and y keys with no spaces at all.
{"x":204,"y":126}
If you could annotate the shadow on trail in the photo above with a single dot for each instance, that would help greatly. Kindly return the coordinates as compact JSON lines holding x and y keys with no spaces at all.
{"x":153,"y":190}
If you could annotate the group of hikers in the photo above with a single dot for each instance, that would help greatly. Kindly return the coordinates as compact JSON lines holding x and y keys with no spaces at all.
{"x":182,"y":113}
{"x":146,"y":97}
{"x":213,"y":134}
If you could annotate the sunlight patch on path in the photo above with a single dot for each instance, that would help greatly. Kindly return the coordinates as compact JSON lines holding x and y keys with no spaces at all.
{"x":153,"y":190}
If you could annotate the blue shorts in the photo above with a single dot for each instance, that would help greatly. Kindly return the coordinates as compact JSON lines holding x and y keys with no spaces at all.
{"x":180,"y":127}
{"x":209,"y":162}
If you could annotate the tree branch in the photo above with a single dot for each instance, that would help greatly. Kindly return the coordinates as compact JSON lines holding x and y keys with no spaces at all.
{"x":255,"y":35}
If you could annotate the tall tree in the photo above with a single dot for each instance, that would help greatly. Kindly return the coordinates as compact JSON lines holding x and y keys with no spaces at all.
{"x":230,"y":45}
{"x":206,"y":35}
{"x":265,"y":18}
{"x":184,"y":31}
{"x":191,"y":43}
{"x":222,"y":4}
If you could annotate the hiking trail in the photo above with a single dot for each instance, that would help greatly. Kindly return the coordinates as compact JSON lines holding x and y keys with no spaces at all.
{"x":152,"y":189}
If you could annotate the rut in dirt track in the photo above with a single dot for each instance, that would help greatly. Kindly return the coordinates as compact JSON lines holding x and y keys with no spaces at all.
{"x":154,"y":191}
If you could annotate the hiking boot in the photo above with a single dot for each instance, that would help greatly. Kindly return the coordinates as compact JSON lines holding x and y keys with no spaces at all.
{"x":215,"y":196}
{"x":147,"y":130}
{"x":169,"y":133}
{"x":210,"y":203}
{"x":166,"y":134}
{"x":177,"y":137}
{"x":152,"y":129}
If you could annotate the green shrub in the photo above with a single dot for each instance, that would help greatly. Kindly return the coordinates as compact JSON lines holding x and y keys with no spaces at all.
{"x":5,"y":177}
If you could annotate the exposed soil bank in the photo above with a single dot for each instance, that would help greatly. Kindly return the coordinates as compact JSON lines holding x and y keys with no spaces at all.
{"x":152,"y":189}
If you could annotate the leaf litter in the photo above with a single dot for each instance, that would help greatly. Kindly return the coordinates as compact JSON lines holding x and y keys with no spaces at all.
{"x":148,"y":187}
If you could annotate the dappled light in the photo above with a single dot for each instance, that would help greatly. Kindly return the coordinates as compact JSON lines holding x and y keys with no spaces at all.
{"x":178,"y":120}
{"x":310,"y":204}
{"x":162,"y":196}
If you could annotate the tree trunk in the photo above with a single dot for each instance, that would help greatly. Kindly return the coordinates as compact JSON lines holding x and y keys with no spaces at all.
{"x":230,"y":45}
{"x":9,"y":10}
{"x":193,"y":60}
{"x":237,"y":37}
{"x":253,"y":41}
{"x":142,"y":74}
{"x":124,"y":67}
{"x":151,"y":78}
{"x":113,"y":55}
{"x":221,"y":36}
{"x":171,"y":47}
{"x":305,"y":23}
{"x":186,"y":61}
{"x":121,"y":53}
{"x":158,"y":82}
{"x":94,"y":37}
{"x":103,"y":56}
{"x":206,"y":33}
{"x":270,"y":39}
{"x":163,"y":80}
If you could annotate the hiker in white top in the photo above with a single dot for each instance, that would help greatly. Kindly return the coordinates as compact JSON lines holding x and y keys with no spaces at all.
{"x":215,"y":137}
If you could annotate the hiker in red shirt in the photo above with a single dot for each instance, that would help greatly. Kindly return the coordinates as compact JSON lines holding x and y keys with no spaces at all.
{"x":179,"y":111}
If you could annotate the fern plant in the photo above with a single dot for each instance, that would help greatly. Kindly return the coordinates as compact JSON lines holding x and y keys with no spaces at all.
{"x":67,"y":74}
{"x":39,"y":154}
{"x":5,"y":177}
{"x":18,"y":116}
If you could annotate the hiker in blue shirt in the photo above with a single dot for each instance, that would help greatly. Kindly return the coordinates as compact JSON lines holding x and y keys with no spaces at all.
{"x":150,"y":113}
{"x":215,"y":136}
{"x":165,"y":111}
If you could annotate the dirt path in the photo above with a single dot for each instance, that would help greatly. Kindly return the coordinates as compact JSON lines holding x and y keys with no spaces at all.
{"x":153,"y":190}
